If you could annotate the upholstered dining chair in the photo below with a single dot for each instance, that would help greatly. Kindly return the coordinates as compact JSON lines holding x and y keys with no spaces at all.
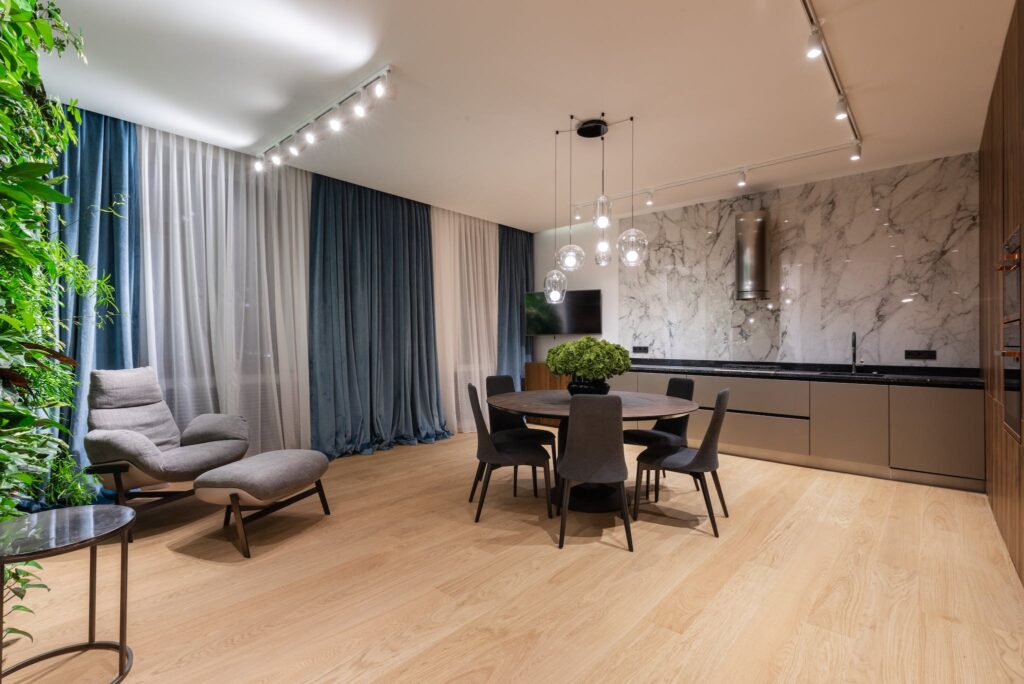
{"x":498,"y":450}
{"x":593,"y":451}
{"x":133,"y":440}
{"x":695,"y":462}
{"x":514,"y":427}
{"x":670,"y":432}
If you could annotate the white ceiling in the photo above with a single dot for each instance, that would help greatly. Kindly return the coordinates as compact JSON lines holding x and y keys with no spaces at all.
{"x":713,"y":84}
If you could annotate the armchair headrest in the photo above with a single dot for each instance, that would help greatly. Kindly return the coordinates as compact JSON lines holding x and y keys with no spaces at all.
{"x":112,"y":389}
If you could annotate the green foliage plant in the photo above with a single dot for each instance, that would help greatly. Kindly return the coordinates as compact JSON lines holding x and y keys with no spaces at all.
{"x":36,"y":379}
{"x":588,"y":358}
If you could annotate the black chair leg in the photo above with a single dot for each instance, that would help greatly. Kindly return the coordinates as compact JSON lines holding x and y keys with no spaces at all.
{"x":323,"y":497}
{"x":721,"y":497}
{"x":476,"y":479}
{"x":696,"y":483}
{"x":565,"y":510}
{"x":534,"y":469}
{"x":547,"y":488}
{"x":707,"y":502}
{"x":227,"y":516}
{"x":647,"y":488}
{"x":657,"y":485}
{"x":515,"y":480}
{"x":625,"y":515}
{"x":636,"y":495}
{"x":483,"y":491}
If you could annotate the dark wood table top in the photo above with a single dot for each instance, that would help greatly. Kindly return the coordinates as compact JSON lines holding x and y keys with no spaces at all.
{"x":50,"y":533}
{"x":555,"y":404}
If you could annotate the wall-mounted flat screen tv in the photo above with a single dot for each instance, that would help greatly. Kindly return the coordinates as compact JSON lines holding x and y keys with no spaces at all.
{"x":578,"y":314}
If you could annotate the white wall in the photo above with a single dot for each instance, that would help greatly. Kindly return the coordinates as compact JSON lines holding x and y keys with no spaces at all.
{"x":589,"y":277}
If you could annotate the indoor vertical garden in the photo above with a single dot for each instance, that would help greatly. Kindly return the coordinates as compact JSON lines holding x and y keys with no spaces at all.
{"x":36,"y":379}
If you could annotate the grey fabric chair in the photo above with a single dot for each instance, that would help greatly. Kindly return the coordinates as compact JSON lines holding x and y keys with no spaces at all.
{"x":669,"y":432}
{"x":498,"y":450}
{"x":594,"y":451}
{"x":515,"y":427}
{"x":696,"y":462}
{"x":133,"y":440}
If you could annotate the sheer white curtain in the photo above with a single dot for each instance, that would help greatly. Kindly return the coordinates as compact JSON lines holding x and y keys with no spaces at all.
{"x":224,"y":281}
{"x":466,"y":309}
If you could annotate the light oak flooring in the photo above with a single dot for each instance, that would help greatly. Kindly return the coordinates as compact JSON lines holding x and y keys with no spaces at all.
{"x":817,"y":577}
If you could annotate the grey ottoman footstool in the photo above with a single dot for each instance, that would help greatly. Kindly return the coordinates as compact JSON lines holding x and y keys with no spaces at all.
{"x":267,"y":482}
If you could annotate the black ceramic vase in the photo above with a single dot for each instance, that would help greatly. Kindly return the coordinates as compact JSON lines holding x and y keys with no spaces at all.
{"x":580,"y":386}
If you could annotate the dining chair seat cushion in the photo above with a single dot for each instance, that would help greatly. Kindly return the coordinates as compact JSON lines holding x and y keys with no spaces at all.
{"x":661,"y":458}
{"x":520,"y":451}
{"x":524,"y":434}
{"x":649,"y":438}
{"x":263,"y":478}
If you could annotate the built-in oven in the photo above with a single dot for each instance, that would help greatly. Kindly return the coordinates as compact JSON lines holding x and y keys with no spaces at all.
{"x":1011,"y":334}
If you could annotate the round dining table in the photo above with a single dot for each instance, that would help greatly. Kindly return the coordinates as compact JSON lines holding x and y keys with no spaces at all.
{"x":589,"y":497}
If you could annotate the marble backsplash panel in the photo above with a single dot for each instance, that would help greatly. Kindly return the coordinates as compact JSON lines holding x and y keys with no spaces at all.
{"x":846,"y":255}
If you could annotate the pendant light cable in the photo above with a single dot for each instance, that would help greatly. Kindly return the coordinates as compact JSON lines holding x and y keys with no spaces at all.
{"x":632,"y":172}
{"x":571,"y":117}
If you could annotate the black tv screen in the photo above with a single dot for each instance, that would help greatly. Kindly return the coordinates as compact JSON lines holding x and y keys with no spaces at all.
{"x":578,"y":314}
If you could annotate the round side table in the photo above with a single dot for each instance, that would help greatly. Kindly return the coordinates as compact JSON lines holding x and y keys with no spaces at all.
{"x":63,"y":530}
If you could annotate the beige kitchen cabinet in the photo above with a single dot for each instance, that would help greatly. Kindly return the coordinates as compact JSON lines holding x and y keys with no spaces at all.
{"x":850,"y":422}
{"x":937,"y":430}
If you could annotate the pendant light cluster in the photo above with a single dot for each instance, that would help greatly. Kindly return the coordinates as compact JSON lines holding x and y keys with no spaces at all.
{"x":356,"y":105}
{"x":631,"y":244}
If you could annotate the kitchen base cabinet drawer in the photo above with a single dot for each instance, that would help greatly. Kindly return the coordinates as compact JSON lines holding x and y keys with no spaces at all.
{"x":850,"y":422}
{"x":748,"y":434}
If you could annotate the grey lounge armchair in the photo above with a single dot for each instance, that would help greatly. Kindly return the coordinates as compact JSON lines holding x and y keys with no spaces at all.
{"x":133,"y":440}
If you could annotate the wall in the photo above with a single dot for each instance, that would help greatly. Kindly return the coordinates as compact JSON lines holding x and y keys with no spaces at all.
{"x":836,"y":268}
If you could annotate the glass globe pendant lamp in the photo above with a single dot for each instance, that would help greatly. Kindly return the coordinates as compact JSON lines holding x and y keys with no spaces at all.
{"x":632,"y":248}
{"x":569,"y":258}
{"x":602,"y":212}
{"x":603,"y":253}
{"x":554,"y":286}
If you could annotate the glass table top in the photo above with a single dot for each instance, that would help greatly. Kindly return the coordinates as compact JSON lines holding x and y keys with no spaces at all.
{"x":49,"y":533}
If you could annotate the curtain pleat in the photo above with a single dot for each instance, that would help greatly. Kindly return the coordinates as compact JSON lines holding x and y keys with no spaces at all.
{"x":373,"y":363}
{"x":515,"y":279}
{"x":466,"y":308}
{"x":101,"y":227}
{"x":223,"y":307}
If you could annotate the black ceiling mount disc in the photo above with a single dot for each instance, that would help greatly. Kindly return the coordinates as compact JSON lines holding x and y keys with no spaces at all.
{"x":592,"y":128}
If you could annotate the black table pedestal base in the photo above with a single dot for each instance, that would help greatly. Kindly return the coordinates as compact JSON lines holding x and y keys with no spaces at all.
{"x":595,"y":498}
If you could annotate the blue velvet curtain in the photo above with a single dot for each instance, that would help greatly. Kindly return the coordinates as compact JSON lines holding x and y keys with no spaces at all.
{"x":372,"y":354}
{"x":101,"y":226}
{"x":515,"y":279}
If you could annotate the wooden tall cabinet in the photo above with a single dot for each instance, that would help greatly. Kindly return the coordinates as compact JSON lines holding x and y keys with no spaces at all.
{"x":1001,"y":204}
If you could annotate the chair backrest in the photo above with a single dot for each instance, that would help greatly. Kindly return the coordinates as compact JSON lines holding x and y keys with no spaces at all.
{"x":707,"y":455}
{"x":593,"y":448}
{"x":680,"y":388}
{"x":485,"y":449}
{"x":131,"y":399}
{"x":502,"y":420}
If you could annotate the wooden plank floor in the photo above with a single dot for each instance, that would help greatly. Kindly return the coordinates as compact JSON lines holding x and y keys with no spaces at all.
{"x":818,"y":577}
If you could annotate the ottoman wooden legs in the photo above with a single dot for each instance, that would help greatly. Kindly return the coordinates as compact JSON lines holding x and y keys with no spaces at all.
{"x":261,"y":511}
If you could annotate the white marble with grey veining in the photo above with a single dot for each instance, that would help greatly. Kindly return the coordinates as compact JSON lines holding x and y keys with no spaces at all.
{"x":844,"y":255}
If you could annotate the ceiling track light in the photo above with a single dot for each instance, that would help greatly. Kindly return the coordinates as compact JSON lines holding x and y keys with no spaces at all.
{"x":815,"y":44}
{"x":855,"y":150}
{"x":649,"y":199}
{"x":741,"y":179}
{"x":842,"y":109}
{"x":379,"y":86}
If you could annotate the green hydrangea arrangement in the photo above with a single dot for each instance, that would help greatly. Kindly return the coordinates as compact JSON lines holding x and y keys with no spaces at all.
{"x":588,"y":358}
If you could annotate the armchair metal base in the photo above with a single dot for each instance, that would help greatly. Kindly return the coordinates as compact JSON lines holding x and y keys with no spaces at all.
{"x":123,"y":495}
{"x":263,"y":511}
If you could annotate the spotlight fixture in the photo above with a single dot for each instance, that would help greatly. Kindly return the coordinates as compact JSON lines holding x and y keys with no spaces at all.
{"x":815,"y":45}
{"x":258,"y":165}
{"x":577,"y":215}
{"x":362,"y":104}
{"x":649,"y":198}
{"x":309,"y":136}
{"x":855,"y":152}
{"x":275,"y":159}
{"x":741,"y":180}
{"x":294,"y":150}
{"x":382,"y":86}
{"x":334,"y":123}
{"x":842,"y":109}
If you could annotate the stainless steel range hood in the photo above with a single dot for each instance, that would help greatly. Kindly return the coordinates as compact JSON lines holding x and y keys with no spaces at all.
{"x":752,"y":255}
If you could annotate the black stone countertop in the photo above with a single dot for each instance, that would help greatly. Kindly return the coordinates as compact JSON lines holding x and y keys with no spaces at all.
{"x":912,"y":376}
